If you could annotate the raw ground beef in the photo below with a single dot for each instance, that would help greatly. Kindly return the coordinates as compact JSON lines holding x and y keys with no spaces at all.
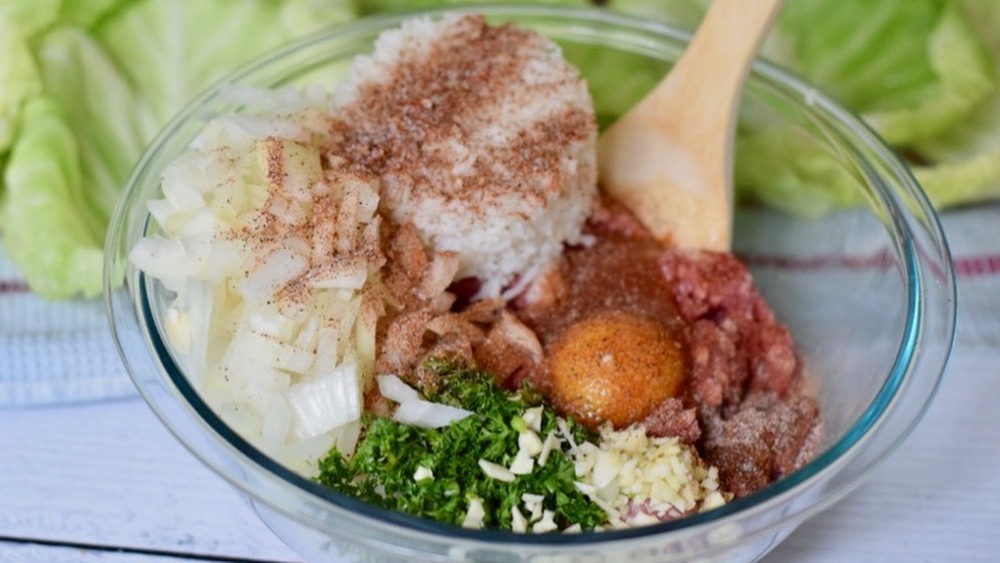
{"x":745,"y":404}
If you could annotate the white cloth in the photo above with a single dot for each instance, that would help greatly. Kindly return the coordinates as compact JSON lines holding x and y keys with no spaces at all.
{"x":54,"y":352}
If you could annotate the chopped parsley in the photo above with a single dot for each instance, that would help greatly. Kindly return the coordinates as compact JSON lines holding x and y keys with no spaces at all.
{"x":383,"y":468}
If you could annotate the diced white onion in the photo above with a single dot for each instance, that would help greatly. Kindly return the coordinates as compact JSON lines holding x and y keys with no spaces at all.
{"x":269,"y":362}
{"x":346,"y":437}
{"x":426,"y":414}
{"x":274,"y":353}
{"x":533,"y":418}
{"x":474,"y":515}
{"x":277,"y":271}
{"x":534,"y":505}
{"x":529,"y":442}
{"x":241,"y":376}
{"x":606,"y":468}
{"x":423,"y":473}
{"x":393,"y":388}
{"x":162,"y":211}
{"x":523,"y":463}
{"x":348,"y":275}
{"x":200,"y":224}
{"x":518,"y":522}
{"x":269,"y":321}
{"x":302,"y":455}
{"x":325,"y":402}
{"x":160,"y":257}
{"x":182,"y":195}
{"x":326,"y":348}
{"x":546,"y":524}
{"x":306,"y":338}
{"x":276,"y":424}
{"x":496,"y":471}
{"x":552,"y":442}
{"x":177,"y":323}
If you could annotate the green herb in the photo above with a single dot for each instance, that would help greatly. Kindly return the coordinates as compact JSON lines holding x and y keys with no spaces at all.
{"x":382,"y":469}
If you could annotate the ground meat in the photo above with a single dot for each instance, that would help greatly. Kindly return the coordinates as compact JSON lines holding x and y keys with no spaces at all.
{"x":743,"y":367}
{"x":771,"y":353}
{"x":742,"y":403}
{"x":718,"y":365}
{"x":671,"y":418}
{"x":761,"y":441}
{"x":734,"y":333}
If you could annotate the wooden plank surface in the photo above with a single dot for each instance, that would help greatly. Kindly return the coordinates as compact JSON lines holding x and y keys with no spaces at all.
{"x":17,"y":552}
{"x":110,"y":474}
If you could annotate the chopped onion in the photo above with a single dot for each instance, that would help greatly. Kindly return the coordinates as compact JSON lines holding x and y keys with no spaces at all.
{"x":277,"y":271}
{"x":423,"y":473}
{"x":523,"y":463}
{"x":350,"y":274}
{"x":496,"y":471}
{"x":546,"y":524}
{"x":606,"y":468}
{"x":269,"y":321}
{"x":426,"y":414}
{"x":518,"y":522}
{"x":302,"y":455}
{"x":326,"y":348}
{"x":201,"y":224}
{"x":240,"y":376}
{"x":529,"y":442}
{"x":288,"y":369}
{"x":177,"y":323}
{"x":325,"y":402}
{"x":182,"y":195}
{"x":162,"y":211}
{"x":160,"y":257}
{"x":475,"y":514}
{"x":394,"y":388}
{"x":551,"y":442}
{"x":276,"y":424}
{"x":274,"y":353}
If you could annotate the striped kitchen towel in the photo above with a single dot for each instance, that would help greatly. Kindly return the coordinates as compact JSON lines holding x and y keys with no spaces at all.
{"x":56,"y":352}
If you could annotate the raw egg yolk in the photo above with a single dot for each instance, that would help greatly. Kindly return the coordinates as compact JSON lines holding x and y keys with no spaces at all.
{"x":615,"y":367}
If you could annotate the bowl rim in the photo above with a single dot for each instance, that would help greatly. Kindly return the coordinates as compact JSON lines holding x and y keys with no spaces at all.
{"x":835,"y":455}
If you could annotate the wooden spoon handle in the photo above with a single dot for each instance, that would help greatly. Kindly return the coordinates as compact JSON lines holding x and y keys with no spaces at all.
{"x":669,"y":159}
{"x":711,"y":72}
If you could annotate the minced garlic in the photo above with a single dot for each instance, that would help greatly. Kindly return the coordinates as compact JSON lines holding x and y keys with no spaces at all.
{"x":641,"y":480}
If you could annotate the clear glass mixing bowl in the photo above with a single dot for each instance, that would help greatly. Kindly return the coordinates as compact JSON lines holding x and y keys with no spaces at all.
{"x":868,"y":293}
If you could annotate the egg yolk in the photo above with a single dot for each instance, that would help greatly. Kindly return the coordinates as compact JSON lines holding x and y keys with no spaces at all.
{"x":615,"y":367}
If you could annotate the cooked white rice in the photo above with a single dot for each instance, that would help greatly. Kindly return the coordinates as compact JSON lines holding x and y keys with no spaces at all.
{"x":507,"y":174}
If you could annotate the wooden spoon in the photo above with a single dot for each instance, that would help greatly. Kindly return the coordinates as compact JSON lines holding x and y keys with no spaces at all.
{"x":669,"y":159}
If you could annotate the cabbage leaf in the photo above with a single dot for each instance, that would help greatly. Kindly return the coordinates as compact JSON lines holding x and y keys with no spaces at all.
{"x":966,"y":158}
{"x":922,"y":73}
{"x":46,"y":229}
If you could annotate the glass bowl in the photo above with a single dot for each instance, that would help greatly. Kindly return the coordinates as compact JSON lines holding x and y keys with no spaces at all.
{"x":868,"y":293}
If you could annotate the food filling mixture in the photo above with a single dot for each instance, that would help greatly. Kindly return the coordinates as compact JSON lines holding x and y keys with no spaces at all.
{"x":413,"y":291}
